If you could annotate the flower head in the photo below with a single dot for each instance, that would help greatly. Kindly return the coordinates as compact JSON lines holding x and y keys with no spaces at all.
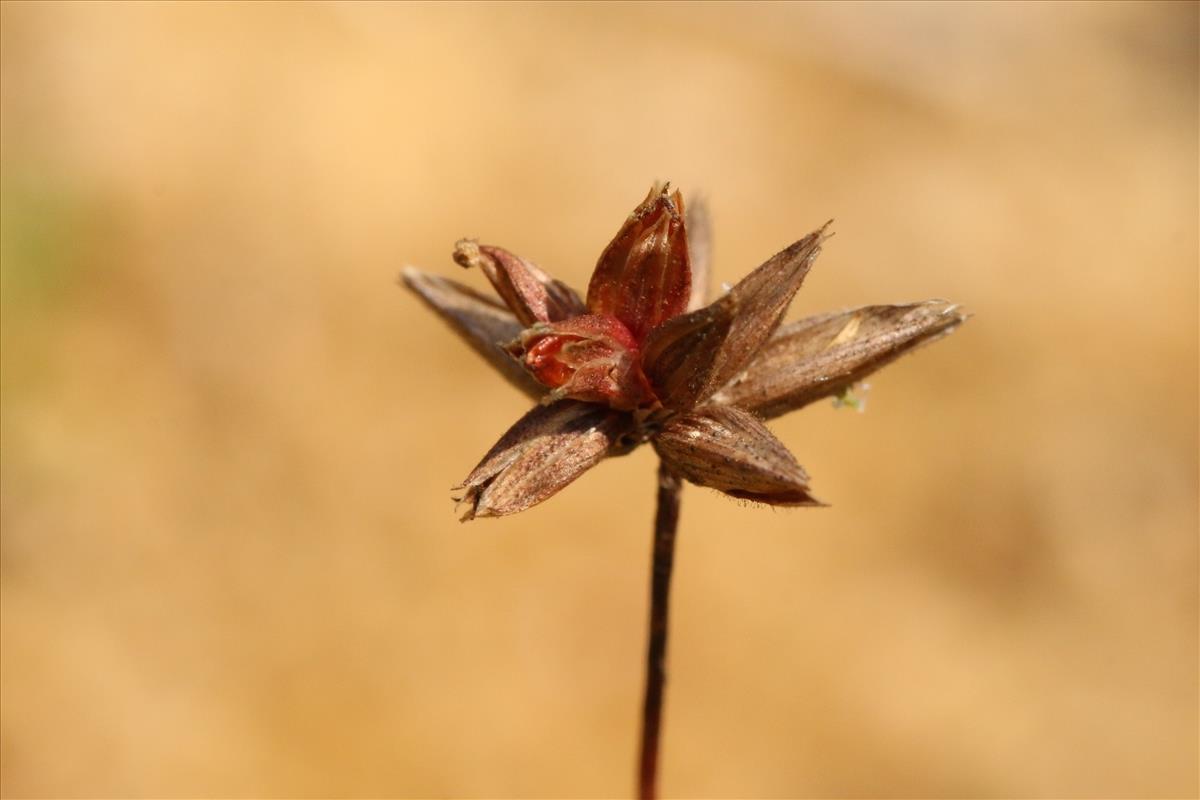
{"x":644,"y":360}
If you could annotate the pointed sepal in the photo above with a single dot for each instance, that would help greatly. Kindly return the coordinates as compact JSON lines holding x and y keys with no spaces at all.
{"x":690,"y":357}
{"x":544,"y":451}
{"x":825,"y":355}
{"x":730,"y":450}
{"x":483,"y":323}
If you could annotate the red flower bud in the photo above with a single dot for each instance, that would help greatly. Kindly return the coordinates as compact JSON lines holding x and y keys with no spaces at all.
{"x":592,"y":358}
{"x":643,"y":277}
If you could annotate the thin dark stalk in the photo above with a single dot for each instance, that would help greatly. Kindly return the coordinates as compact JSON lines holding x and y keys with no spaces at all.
{"x":666,"y":519}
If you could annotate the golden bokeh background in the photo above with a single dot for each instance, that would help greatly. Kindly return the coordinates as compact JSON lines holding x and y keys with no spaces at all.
{"x":231,"y":566}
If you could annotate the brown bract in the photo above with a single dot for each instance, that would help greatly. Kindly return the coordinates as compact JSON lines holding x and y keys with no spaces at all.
{"x":644,"y":360}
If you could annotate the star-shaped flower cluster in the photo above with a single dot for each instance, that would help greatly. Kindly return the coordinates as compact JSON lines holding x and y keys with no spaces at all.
{"x":645,"y":360}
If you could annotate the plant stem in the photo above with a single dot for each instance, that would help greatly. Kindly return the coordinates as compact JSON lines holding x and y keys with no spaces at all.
{"x":666,"y":519}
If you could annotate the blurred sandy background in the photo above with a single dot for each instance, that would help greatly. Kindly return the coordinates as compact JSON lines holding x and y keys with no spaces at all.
{"x":231,"y":566}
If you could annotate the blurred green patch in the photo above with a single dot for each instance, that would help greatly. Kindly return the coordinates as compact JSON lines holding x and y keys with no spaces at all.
{"x":40,"y":259}
{"x":39,"y":242}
